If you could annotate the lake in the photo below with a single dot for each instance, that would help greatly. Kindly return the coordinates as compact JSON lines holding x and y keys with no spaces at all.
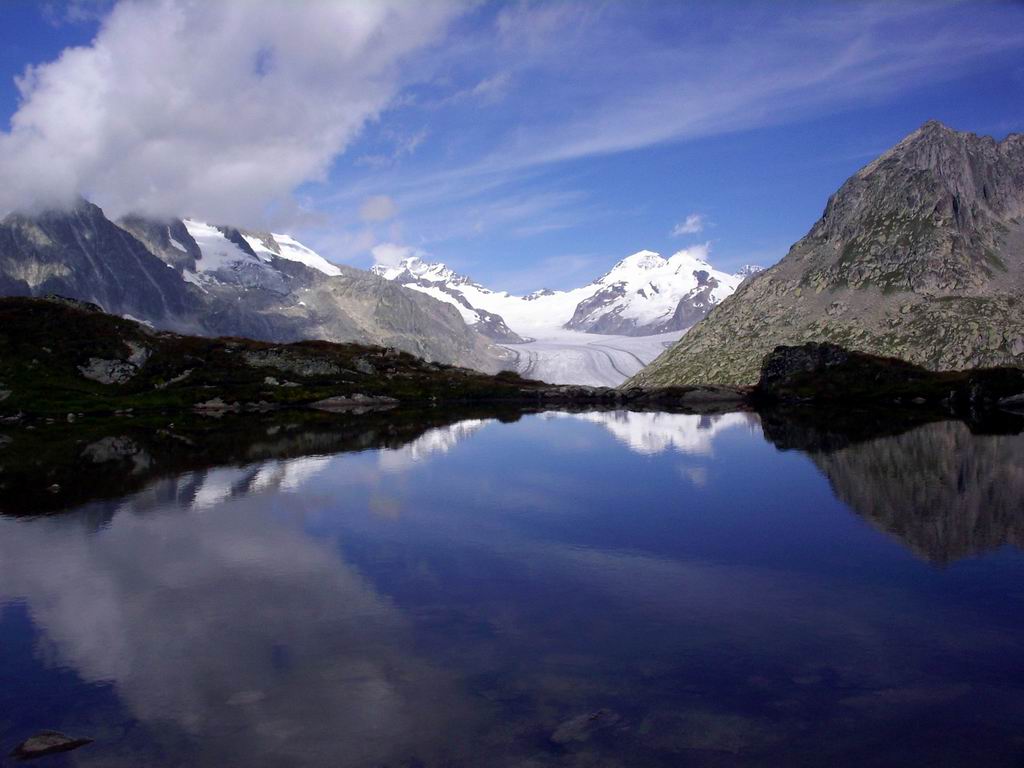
{"x":559,"y":589}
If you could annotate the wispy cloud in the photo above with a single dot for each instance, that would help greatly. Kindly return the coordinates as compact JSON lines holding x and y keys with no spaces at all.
{"x":691,"y":225}
{"x":579,"y":79}
{"x":401,"y":146}
{"x":392,"y":254}
{"x":623,"y":84}
{"x":378,"y":208}
{"x":75,"y":11}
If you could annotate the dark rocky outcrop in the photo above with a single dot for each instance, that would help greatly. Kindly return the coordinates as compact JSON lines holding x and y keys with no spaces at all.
{"x":829,"y":374}
{"x":169,"y":240}
{"x":59,"y":356}
{"x":919,"y":256}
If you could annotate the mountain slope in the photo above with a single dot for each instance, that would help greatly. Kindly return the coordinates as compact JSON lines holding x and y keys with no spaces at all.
{"x":192,"y":277}
{"x":82,"y":254}
{"x":642,"y":295}
{"x":919,"y":255}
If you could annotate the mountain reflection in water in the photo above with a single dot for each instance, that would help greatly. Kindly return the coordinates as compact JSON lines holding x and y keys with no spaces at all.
{"x":563,"y":589}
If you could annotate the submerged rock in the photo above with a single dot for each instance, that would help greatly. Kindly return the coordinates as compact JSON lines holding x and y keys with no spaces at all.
{"x":582,"y":727}
{"x":47,"y":743}
{"x":215,"y":405}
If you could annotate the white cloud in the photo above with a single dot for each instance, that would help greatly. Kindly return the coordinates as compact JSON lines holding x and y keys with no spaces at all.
{"x":489,"y":90}
{"x":218,"y":109}
{"x":691,"y":225}
{"x":378,"y":208}
{"x":392,"y":254}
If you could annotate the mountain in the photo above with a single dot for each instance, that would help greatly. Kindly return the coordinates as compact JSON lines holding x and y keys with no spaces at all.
{"x":644,"y":294}
{"x":443,"y":284}
{"x":919,"y":255}
{"x":81,"y":254}
{"x":193,"y":277}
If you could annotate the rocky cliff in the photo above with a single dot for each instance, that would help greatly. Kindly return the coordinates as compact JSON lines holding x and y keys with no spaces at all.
{"x":82,"y":254}
{"x":919,"y":256}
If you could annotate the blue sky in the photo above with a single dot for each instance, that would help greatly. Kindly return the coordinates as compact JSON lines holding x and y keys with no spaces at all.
{"x":527,"y":144}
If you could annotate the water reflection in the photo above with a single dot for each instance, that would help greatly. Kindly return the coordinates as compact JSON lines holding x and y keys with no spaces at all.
{"x":943,"y":491}
{"x":250,"y":642}
{"x":63,"y":466}
{"x":598,"y":589}
{"x":439,"y":440}
{"x":657,"y":432}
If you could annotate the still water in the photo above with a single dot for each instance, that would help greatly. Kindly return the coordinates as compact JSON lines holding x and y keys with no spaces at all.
{"x":594,"y":589}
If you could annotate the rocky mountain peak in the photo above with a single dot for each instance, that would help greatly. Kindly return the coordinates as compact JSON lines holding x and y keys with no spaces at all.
{"x":415,"y":269}
{"x":919,"y":255}
{"x":926,"y":215}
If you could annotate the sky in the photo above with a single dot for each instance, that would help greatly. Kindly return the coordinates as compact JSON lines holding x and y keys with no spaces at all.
{"x":526,"y":144}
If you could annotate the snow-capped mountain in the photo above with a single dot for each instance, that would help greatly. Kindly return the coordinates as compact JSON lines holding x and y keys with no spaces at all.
{"x":749,"y":269}
{"x":233,"y":256}
{"x":440,"y":282}
{"x":644,"y":294}
{"x":193,"y":277}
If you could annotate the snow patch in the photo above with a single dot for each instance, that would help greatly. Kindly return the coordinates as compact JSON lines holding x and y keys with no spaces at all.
{"x":217,"y":252}
{"x":291,"y":249}
{"x":175,"y":243}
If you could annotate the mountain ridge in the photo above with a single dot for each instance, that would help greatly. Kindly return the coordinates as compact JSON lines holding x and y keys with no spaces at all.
{"x":919,"y":255}
{"x":643,"y":294}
